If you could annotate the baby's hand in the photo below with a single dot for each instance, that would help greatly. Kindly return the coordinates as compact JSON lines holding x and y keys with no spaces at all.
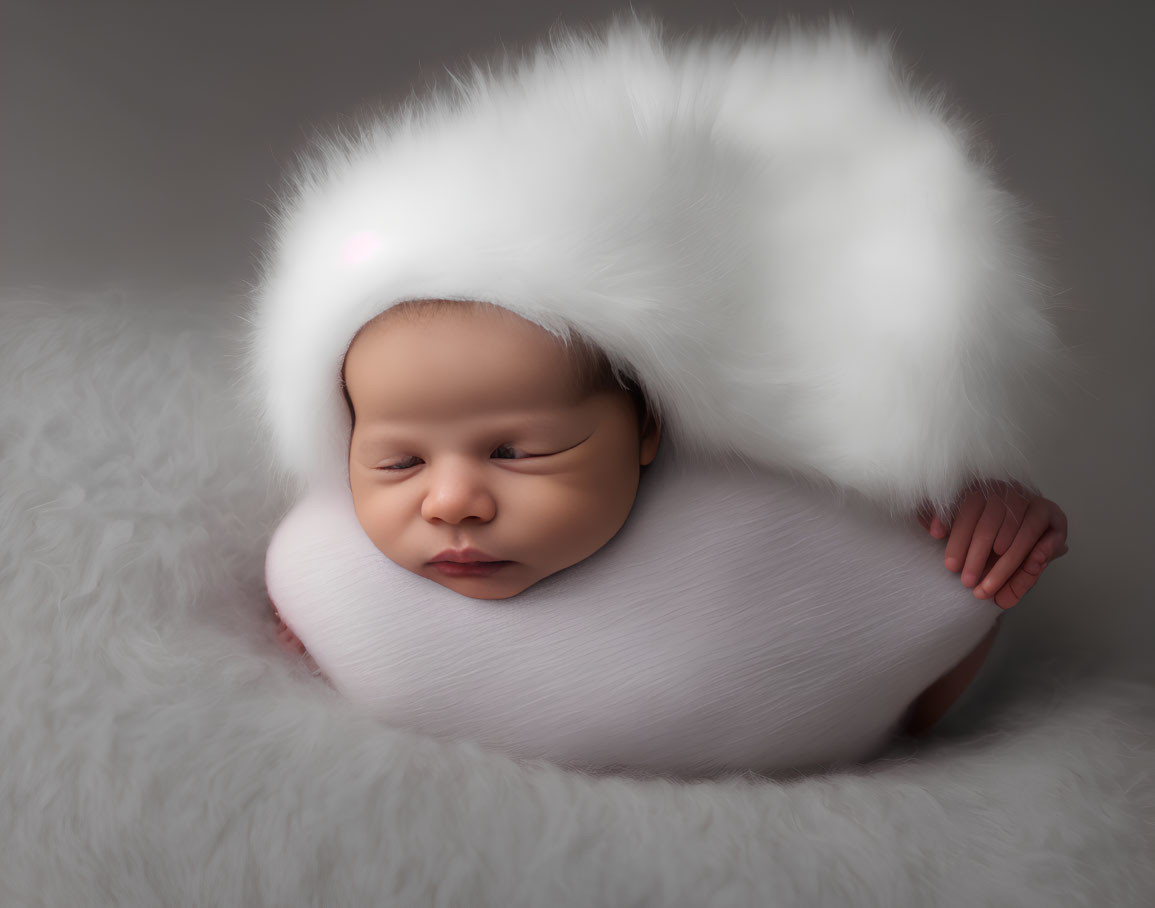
{"x":290,"y":642}
{"x":1003,"y":537}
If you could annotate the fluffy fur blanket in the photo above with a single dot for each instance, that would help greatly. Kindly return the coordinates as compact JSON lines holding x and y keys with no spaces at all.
{"x":159,"y":750}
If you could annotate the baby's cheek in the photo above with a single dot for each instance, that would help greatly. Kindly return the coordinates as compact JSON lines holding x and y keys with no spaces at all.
{"x":379,"y":515}
{"x":575,"y":520}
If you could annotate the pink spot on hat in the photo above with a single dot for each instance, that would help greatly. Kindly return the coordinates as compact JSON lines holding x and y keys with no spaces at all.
{"x":360,"y":247}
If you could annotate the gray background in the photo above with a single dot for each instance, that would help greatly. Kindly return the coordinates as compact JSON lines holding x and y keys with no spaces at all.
{"x":141,"y":142}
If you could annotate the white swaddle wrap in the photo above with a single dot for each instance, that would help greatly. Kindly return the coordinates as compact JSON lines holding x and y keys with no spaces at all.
{"x":739,"y":621}
{"x":807,"y":269}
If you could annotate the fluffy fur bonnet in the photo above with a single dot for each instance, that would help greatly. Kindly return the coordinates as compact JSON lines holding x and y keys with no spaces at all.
{"x":798,"y":254}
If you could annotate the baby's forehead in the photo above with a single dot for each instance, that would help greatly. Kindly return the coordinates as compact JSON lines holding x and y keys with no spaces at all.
{"x":481,"y":317}
{"x":571,"y":359}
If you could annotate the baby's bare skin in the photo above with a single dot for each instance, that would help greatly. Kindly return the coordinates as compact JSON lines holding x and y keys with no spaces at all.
{"x":1005,"y":538}
{"x":483,"y":456}
{"x":290,"y":642}
{"x":932,"y":704}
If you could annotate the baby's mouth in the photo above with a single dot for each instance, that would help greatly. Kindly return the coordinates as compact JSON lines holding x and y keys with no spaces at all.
{"x":469,"y":568}
{"x":467,"y":555}
{"x":468,"y":562}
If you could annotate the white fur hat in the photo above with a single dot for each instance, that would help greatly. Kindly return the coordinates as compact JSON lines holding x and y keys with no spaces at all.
{"x":798,"y":255}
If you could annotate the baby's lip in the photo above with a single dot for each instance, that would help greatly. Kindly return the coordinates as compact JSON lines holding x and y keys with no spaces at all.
{"x":463,"y":556}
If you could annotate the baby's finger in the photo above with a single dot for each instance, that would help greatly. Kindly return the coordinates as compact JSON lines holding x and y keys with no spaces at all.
{"x":1058,"y":522}
{"x":1057,"y":536}
{"x":962,"y":528}
{"x":924,"y":514}
{"x":1014,"y":590}
{"x":1033,"y":527}
{"x":291,"y":643}
{"x":1047,"y":549}
{"x":1016,"y":505}
{"x":982,"y":540}
{"x":1010,"y":595}
{"x":1006,"y":598}
{"x":1018,"y":587}
{"x":930,"y":521}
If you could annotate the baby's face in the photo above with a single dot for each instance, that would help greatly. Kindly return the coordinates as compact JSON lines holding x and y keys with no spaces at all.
{"x":477,"y":459}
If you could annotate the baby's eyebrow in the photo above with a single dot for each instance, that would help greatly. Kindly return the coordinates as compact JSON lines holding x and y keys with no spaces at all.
{"x":370,"y":436}
{"x":381,"y":432}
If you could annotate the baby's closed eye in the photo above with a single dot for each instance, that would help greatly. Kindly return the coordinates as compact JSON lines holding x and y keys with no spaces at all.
{"x":403,"y":464}
{"x":509,"y":452}
{"x":502,"y":452}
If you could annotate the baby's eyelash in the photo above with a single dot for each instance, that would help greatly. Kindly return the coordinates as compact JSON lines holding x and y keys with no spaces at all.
{"x":511,"y":448}
{"x":412,"y":461}
{"x":403,"y":464}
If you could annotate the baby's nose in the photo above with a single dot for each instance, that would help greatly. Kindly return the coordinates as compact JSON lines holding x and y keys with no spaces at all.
{"x":457,"y":493}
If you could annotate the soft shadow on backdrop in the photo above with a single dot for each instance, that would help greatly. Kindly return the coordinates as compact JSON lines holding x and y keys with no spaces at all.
{"x":142,"y":142}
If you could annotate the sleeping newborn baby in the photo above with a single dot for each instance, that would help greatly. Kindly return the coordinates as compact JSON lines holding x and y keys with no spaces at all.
{"x":774,"y":248}
{"x":486,"y":454}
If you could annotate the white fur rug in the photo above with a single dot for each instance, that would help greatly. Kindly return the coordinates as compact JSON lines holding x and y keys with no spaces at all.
{"x":159,"y":750}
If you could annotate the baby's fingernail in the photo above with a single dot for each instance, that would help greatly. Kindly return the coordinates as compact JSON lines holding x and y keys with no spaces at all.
{"x":953,"y":564}
{"x":969,"y":579}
